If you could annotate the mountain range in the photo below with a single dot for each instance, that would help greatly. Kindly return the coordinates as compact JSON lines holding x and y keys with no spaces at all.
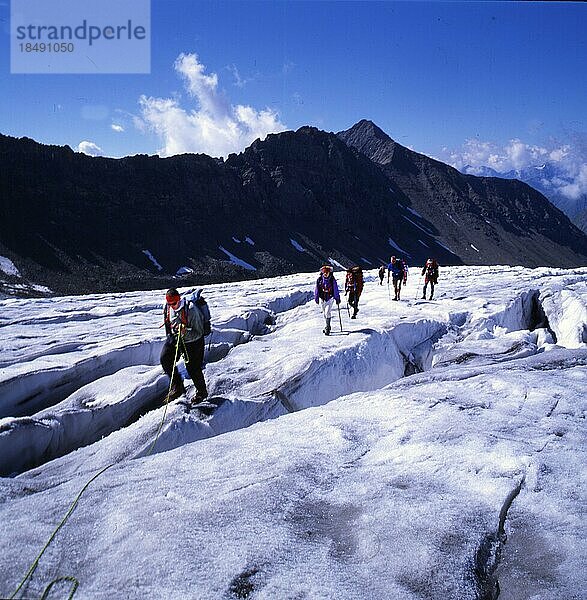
{"x":289,"y":203}
{"x":548,"y":178}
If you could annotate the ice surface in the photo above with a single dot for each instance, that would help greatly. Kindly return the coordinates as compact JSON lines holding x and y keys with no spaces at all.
{"x":427,"y":450}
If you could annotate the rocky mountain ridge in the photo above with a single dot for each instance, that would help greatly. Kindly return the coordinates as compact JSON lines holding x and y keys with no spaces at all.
{"x":483,"y":220}
{"x":80,"y":224}
{"x":548,"y":178}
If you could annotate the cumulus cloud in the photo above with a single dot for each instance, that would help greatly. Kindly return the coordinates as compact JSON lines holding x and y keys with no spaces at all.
{"x":213,"y":125}
{"x":90,"y":148}
{"x":578,"y":186}
{"x":116,"y":127}
{"x":570,"y":159}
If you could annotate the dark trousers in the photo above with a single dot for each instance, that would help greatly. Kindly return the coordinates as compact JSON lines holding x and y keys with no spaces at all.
{"x":426,"y":282}
{"x":354,"y":301}
{"x":397,"y":286}
{"x":193,"y":355}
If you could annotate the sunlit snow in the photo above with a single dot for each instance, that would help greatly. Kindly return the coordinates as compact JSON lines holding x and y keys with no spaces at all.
{"x":150,"y":256}
{"x":427,"y":449}
{"x":8,"y":267}
{"x":236,"y":260}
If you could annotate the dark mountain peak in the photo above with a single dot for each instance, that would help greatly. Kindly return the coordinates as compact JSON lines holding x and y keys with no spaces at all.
{"x":370,"y":140}
{"x":307,"y":147}
{"x":309,"y":130}
{"x":368,"y":129}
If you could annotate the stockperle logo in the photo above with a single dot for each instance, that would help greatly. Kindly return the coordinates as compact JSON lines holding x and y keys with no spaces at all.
{"x":80,"y":36}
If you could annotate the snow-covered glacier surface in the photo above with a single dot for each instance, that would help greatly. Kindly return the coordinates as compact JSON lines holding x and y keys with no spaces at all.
{"x":429,"y":449}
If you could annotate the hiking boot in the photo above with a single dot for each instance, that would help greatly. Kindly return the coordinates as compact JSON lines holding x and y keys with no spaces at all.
{"x":423,"y":297}
{"x":200,"y":397}
{"x":176,"y":391}
{"x":326,"y":330}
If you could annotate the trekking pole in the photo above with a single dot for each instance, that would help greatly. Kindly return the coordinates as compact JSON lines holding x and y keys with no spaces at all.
{"x":388,"y":291}
{"x":348,"y":310}
{"x":339,"y":317}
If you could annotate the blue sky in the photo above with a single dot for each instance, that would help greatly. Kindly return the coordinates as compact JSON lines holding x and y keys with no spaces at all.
{"x":499,"y":83}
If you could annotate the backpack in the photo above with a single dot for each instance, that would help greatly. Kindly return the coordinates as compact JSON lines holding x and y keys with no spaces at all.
{"x":198,"y":300}
{"x":432,"y":271}
{"x":358,"y":274}
{"x":397,"y":268}
{"x":354,"y":278}
{"x":325,"y":286}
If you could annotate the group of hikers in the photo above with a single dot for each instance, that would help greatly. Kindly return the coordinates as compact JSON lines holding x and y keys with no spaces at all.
{"x":187,"y":319}
{"x":326,"y":289}
{"x":398,"y":269}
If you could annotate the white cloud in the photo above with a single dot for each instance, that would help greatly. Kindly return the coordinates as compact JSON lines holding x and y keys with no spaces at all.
{"x":214,"y":126}
{"x":577,"y":187}
{"x":239,"y":81}
{"x":90,"y":148}
{"x":116,"y":127}
{"x":570,"y":160}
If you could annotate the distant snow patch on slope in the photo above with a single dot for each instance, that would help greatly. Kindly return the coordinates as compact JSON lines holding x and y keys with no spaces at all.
{"x":148,"y":254}
{"x":336,"y":263}
{"x":416,"y":225}
{"x":249,"y":241}
{"x":414,"y":212}
{"x":7,"y":266}
{"x":236,"y":260}
{"x":297,"y":246}
{"x":236,"y":240}
{"x":476,"y":249}
{"x":394,"y":245}
{"x":445,"y":247}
